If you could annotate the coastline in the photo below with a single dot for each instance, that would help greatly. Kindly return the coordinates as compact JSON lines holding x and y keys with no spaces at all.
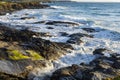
{"x":9,"y":7}
{"x":36,"y":52}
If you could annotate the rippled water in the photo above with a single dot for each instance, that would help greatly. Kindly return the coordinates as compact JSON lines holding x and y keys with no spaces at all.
{"x":103,"y":14}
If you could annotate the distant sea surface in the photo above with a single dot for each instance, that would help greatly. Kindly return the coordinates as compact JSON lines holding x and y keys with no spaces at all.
{"x":106,"y":15}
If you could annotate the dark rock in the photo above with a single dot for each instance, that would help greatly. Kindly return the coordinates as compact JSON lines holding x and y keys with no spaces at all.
{"x":65,"y":46}
{"x":93,"y":76}
{"x":49,"y":50}
{"x":62,"y":23}
{"x":101,"y":68}
{"x":64,"y":34}
{"x":40,"y":22}
{"x":116,"y":64}
{"x":24,"y":18}
{"x":99,"y":51}
{"x":115,"y":55}
{"x":14,"y":58}
{"x":82,"y":64}
{"x":89,"y":30}
{"x":9,"y":34}
{"x":3,"y":54}
{"x":63,"y":74}
{"x":4,"y":76}
{"x":42,"y":34}
{"x":58,"y":23}
{"x":76,"y":38}
{"x":102,"y":65}
{"x":50,"y":28}
{"x":80,"y":35}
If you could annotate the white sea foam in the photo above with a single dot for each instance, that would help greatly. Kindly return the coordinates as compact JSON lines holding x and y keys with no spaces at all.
{"x":73,"y":17}
{"x":58,"y":7}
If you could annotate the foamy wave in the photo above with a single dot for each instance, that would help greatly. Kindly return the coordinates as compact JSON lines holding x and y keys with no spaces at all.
{"x":59,"y":7}
{"x":73,"y":17}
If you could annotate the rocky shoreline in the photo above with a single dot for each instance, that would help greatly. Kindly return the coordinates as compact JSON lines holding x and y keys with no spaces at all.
{"x":24,"y":52}
{"x":102,"y":68}
{"x":9,"y":7}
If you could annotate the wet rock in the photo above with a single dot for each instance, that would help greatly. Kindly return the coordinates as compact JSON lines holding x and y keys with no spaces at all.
{"x":73,"y":72}
{"x":58,"y":23}
{"x":102,"y":68}
{"x":103,"y":52}
{"x":93,"y":76}
{"x":18,"y":69}
{"x":27,"y":40}
{"x":116,"y":64}
{"x":99,"y":51}
{"x":63,"y":74}
{"x":4,"y":76}
{"x":23,"y":51}
{"x":64,"y":33}
{"x":65,"y":46}
{"x":103,"y":65}
{"x":43,"y":34}
{"x":49,"y":50}
{"x":9,"y":34}
{"x":50,"y":28}
{"x":76,"y":38}
{"x":40,"y":22}
{"x":27,"y":18}
{"x":90,"y":30}
{"x":115,"y":55}
{"x":62,"y":23}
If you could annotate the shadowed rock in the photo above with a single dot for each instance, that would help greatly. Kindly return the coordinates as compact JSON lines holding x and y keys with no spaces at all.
{"x":102,"y":68}
{"x":90,"y":30}
{"x":23,"y":51}
{"x":76,"y":38}
{"x":58,"y":23}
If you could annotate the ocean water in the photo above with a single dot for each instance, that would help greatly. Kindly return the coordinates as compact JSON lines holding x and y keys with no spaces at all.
{"x":102,"y":14}
{"x":103,"y":17}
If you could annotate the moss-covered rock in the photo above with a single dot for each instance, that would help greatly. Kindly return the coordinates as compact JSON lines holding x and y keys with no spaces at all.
{"x":34,"y":55}
{"x":17,"y":55}
{"x":20,"y":52}
{"x":27,"y":54}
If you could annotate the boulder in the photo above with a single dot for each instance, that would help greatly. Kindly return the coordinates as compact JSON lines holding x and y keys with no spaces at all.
{"x":90,"y":30}
{"x":76,"y":38}
{"x":50,"y":28}
{"x":27,"y":18}
{"x":103,"y":52}
{"x":116,"y":64}
{"x":58,"y":23}
{"x":63,"y":34}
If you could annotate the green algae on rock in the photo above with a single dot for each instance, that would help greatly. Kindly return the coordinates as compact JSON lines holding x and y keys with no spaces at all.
{"x":28,"y":54}
{"x":34,"y":55}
